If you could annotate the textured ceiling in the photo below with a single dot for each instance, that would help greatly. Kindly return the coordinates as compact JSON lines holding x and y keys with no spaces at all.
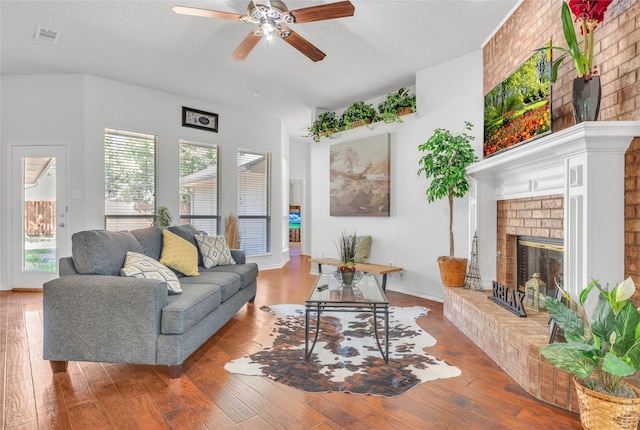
{"x":145,"y":43}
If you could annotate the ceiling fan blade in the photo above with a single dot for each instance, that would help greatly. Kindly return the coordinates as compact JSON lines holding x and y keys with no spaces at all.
{"x":246,"y":46}
{"x":193,"y":11}
{"x":322,"y":12}
{"x":303,"y":45}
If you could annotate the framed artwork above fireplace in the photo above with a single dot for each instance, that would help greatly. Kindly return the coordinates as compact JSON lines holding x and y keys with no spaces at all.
{"x":519,"y":108}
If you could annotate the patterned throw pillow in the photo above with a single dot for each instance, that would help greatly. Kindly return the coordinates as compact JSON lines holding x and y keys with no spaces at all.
{"x":179,"y":254}
{"x":214,"y":250}
{"x":140,"y":266}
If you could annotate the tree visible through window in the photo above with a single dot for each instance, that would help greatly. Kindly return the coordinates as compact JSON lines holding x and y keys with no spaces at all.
{"x":199,"y":186}
{"x":254,"y":201}
{"x":130,"y":177}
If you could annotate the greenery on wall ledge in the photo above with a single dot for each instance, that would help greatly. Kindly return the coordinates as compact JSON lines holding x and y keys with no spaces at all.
{"x":326,"y":124}
{"x":359,"y":113}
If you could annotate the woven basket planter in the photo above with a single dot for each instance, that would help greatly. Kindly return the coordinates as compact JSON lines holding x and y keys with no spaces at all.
{"x":600,"y":411}
{"x":453,"y":271}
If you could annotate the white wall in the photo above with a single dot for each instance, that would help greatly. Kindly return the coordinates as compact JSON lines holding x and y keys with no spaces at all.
{"x":416,"y":233}
{"x":75,"y":109}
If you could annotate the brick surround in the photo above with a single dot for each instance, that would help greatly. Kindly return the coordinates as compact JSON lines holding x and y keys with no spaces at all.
{"x":532,"y":216}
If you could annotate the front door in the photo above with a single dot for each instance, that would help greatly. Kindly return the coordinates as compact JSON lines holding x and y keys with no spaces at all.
{"x":39,"y":214}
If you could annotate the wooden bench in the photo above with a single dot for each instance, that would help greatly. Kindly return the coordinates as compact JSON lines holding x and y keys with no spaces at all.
{"x":376,"y":269}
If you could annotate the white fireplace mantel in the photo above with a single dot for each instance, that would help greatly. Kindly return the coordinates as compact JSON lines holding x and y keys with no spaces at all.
{"x":585,"y":164}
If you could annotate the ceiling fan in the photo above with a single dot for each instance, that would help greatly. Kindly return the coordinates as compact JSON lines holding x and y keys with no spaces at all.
{"x":272,"y":16}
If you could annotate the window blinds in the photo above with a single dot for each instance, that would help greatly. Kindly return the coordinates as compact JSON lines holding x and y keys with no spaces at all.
{"x":254,"y":201}
{"x":200,"y":186}
{"x":130,"y":173}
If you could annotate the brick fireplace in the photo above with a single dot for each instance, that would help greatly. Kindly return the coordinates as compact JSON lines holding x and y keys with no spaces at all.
{"x":568,"y":185}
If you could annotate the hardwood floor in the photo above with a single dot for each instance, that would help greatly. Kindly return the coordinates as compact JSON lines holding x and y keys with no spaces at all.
{"x":115,"y":396}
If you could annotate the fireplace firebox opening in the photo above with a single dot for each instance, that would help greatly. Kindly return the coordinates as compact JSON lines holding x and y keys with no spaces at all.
{"x":540,"y":255}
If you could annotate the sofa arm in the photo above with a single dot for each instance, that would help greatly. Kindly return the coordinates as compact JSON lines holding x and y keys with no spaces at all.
{"x":238,"y":256}
{"x":102,"y":318}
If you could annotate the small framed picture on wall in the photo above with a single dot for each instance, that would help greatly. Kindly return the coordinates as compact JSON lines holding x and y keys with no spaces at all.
{"x":199,"y":119}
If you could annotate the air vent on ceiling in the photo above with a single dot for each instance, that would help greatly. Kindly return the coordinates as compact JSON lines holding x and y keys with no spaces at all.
{"x":47,"y":34}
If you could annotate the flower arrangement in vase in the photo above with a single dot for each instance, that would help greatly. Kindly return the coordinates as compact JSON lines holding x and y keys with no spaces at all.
{"x":347,"y":252}
{"x":586,"y":86}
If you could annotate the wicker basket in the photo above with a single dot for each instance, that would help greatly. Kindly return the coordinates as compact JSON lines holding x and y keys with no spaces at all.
{"x":600,"y":411}
{"x":453,"y":271}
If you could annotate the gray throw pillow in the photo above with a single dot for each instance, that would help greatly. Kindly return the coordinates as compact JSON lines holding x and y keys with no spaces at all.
{"x":151,"y":240}
{"x":102,"y":252}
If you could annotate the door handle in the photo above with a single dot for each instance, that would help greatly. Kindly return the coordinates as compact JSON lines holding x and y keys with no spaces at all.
{"x":60,"y":224}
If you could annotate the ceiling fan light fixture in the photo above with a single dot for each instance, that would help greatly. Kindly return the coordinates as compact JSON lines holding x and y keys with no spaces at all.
{"x":267,"y":26}
{"x":272,"y":16}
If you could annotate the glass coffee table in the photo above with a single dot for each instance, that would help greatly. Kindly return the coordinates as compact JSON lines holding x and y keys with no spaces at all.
{"x":365,"y":296}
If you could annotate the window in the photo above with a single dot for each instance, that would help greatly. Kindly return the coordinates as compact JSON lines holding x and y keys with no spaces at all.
{"x":130,"y":176}
{"x":199,"y":186}
{"x":254,"y":201}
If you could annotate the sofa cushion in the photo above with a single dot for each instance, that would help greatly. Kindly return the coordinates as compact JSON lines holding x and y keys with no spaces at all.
{"x":140,"y":266}
{"x":248,"y":272}
{"x":229,"y":283}
{"x":187,"y":232}
{"x":102,"y":252}
{"x":184,"y":311}
{"x":151,"y":240}
{"x":179,"y":254}
{"x":214,"y":250}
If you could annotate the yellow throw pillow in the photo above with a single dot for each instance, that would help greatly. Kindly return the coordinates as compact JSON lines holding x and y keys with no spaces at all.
{"x":140,"y":266}
{"x":179,"y":254}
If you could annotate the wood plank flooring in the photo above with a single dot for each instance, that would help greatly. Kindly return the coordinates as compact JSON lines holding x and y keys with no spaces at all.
{"x":98,"y":396}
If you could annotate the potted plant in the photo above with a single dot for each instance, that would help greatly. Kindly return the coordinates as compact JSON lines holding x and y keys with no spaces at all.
{"x":396,"y":104}
{"x":444,"y":163}
{"x":347,"y":254}
{"x":163,"y":217}
{"x":586,"y":86}
{"x":326,"y":124}
{"x":359,"y":114}
{"x":600,"y":352}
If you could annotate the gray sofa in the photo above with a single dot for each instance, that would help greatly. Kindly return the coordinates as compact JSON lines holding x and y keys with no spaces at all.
{"x":91,"y":313}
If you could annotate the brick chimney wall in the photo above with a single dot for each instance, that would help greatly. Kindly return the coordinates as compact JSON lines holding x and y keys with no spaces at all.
{"x":617,"y":57}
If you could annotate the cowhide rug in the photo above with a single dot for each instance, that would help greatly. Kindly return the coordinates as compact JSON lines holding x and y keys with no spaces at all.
{"x":346,"y":356}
